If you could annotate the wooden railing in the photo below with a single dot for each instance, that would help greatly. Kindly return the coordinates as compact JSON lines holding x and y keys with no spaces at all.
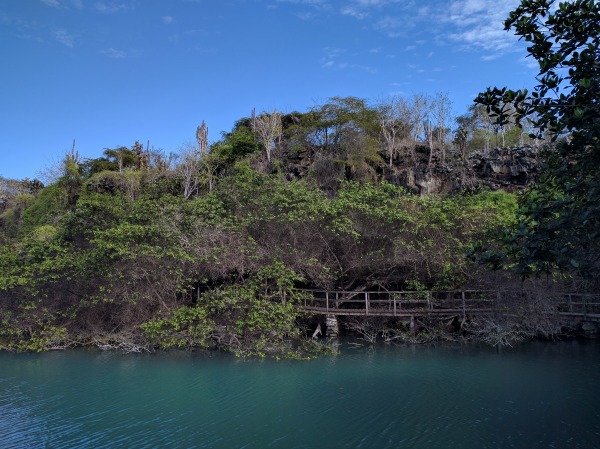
{"x":577,"y":304}
{"x":449,"y":303}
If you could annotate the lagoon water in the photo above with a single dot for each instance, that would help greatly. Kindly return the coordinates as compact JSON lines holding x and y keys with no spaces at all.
{"x":539,"y":395}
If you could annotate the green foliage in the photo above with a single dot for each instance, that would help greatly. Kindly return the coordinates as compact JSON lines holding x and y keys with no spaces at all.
{"x":134,"y":263}
{"x":448,"y":278}
{"x":235,"y":146}
{"x":559,"y":219}
{"x":47,"y":208}
{"x":94,"y":211}
{"x":31,"y":328}
{"x":11,"y":269}
{"x":92,"y":166}
{"x":121,"y":158}
{"x":11,"y":218}
{"x":113,"y":251}
{"x":343,"y":135}
{"x":185,"y":327}
{"x":127,"y":182}
{"x":478,"y":130}
{"x":256,"y":318}
{"x":71,"y":178}
{"x":415,"y":285}
{"x":164,"y":184}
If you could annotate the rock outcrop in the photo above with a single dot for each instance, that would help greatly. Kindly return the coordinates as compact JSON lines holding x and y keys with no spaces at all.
{"x":507,"y":168}
{"x":511,"y":168}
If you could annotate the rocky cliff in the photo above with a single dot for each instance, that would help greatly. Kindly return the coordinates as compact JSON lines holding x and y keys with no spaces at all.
{"x":508,"y":168}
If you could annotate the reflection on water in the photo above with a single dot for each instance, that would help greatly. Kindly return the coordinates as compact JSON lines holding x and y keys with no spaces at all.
{"x":534,"y":396}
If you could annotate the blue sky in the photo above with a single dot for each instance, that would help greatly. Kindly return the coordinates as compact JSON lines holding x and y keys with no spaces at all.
{"x":109,"y":72}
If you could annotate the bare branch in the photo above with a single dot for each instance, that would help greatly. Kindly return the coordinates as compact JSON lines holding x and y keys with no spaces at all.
{"x":267,"y":127}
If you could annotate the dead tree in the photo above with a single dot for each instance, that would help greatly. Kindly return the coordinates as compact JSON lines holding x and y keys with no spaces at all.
{"x":267,"y":128}
{"x":442,"y":110}
{"x":389,"y":118}
{"x":202,"y":138}
{"x":428,"y":130}
{"x":189,"y":169}
{"x":419,"y":110}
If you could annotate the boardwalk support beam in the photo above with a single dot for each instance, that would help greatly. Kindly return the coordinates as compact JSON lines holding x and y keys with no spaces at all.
{"x":331,"y":326}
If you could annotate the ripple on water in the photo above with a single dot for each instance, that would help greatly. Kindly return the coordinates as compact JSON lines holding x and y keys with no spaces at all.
{"x":423,"y":397}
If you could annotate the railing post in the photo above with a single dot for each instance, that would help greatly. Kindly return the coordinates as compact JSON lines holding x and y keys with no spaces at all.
{"x":327,"y":301}
{"x":366,"y":303}
{"x":584,"y":306}
{"x":570,"y":296}
{"x":394,"y":297}
{"x":498,"y":300}
{"x":464,"y":307}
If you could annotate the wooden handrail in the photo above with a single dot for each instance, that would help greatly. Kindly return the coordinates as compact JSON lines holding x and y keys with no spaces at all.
{"x":404,"y":303}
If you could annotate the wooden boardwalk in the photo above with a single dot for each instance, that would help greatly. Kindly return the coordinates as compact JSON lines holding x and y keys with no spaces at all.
{"x":410,"y":304}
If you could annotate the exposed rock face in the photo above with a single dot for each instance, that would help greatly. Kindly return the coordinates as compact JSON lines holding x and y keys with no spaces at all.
{"x":511,"y":168}
{"x":507,"y":168}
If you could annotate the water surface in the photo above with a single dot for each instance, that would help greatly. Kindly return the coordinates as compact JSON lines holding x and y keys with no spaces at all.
{"x":535,"y":396}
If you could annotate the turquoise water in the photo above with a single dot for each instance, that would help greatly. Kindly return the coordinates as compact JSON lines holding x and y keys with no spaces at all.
{"x":535,"y":396}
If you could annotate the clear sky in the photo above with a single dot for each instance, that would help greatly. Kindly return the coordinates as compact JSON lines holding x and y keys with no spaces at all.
{"x":109,"y":72}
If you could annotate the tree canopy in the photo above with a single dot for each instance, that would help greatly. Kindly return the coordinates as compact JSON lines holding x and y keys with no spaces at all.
{"x":559,"y":218}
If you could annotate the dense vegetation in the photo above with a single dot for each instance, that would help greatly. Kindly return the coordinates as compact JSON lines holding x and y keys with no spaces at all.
{"x":559,"y":220}
{"x":125,"y":249}
{"x":207,"y":249}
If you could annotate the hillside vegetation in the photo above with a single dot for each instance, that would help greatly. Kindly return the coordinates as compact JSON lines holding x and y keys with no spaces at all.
{"x":207,"y":248}
{"x":131,"y":249}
